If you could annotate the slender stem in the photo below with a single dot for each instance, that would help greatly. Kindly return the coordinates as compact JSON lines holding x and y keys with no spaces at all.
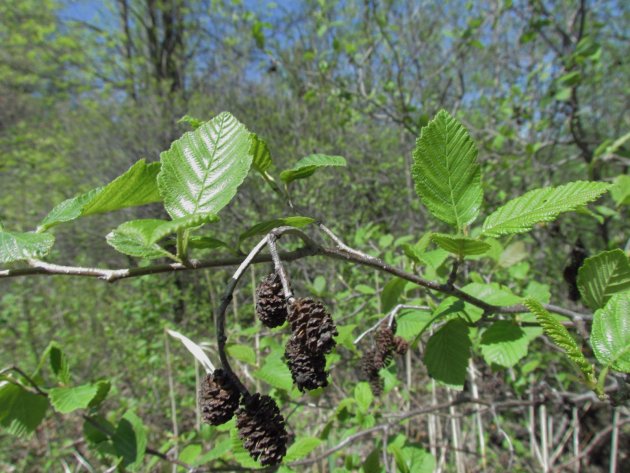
{"x":220,"y":319}
{"x":341,"y":251}
{"x":614,"y":441}
{"x":171,"y":395}
{"x":391,"y":314}
{"x":26,"y":377}
{"x":277,"y":263}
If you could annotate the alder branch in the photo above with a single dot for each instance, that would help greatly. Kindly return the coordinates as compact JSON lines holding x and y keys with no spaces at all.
{"x":340,"y":251}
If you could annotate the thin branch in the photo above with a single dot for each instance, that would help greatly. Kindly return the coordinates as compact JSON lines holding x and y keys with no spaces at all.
{"x":341,"y":251}
{"x":277,"y":263}
{"x":391,"y":316}
{"x":220,"y":319}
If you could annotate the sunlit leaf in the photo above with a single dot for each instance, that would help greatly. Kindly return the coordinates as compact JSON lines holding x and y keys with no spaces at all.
{"x":446,"y":172}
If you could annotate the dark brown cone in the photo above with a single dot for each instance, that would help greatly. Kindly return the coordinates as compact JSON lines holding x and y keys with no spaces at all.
{"x":400,"y":346}
{"x":384,"y":346}
{"x":261,"y":427}
{"x":370,"y":371}
{"x":218,"y":398}
{"x":312,"y":326}
{"x":308,"y":370}
{"x":271,"y":306}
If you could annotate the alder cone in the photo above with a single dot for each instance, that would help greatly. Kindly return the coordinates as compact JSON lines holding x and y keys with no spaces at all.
{"x":370,"y":369}
{"x":312,"y":326}
{"x":261,"y":427}
{"x":218,"y":398}
{"x":271,"y":306}
{"x":384,"y":345}
{"x":400,"y":346}
{"x":307,"y":369}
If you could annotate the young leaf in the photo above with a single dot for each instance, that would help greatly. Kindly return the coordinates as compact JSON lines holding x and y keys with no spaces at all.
{"x":610,"y":335}
{"x":130,"y":441}
{"x":21,"y":411}
{"x":302,"y":447}
{"x":265,"y":227}
{"x":261,"y":157}
{"x":194,"y":349}
{"x":620,"y":191}
{"x":541,"y":205}
{"x":306,"y":166}
{"x":603,"y":275}
{"x":561,"y":337}
{"x":503,"y":344}
{"x":68,"y":399}
{"x":446,"y":172}
{"x":363,"y":395}
{"x":16,"y":246}
{"x":134,"y":238}
{"x":137,"y":186}
{"x":139,"y":237}
{"x":242,"y":353}
{"x":275,"y":372}
{"x":202,"y":170}
{"x":391,"y":293}
{"x":460,"y":245}
{"x":58,"y":362}
{"x":447,"y":353}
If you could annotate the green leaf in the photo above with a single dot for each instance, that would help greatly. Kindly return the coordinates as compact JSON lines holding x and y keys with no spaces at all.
{"x":410,"y":322}
{"x":21,"y":411}
{"x":16,"y":246}
{"x":541,"y":205}
{"x":58,"y":362}
{"x":193,"y":122}
{"x":603,"y":275}
{"x":139,"y":237}
{"x":218,"y":450}
{"x":137,"y":186}
{"x":306,"y":166}
{"x":562,"y":338}
{"x":208,"y":243}
{"x":363,"y":395}
{"x":275,"y":372}
{"x":130,"y":440}
{"x":135,"y":238}
{"x":261,"y":157}
{"x":513,"y":254}
{"x":203,"y":169}
{"x":620,"y":191}
{"x":418,"y":459}
{"x":447,"y":353}
{"x":190,"y":453}
{"x":460,"y":245}
{"x":242,"y":353}
{"x":446,"y":172}
{"x":302,"y":447}
{"x":265,"y":227}
{"x":68,"y":399}
{"x":391,"y":293}
{"x":102,"y":390}
{"x":610,"y":335}
{"x":503,"y":343}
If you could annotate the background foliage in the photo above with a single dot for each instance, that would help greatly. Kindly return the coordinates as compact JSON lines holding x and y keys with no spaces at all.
{"x":87,"y":89}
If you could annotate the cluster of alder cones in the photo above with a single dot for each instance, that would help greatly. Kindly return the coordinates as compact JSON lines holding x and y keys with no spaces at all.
{"x":386,"y":345}
{"x":258,"y":419}
{"x":312,"y":331}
